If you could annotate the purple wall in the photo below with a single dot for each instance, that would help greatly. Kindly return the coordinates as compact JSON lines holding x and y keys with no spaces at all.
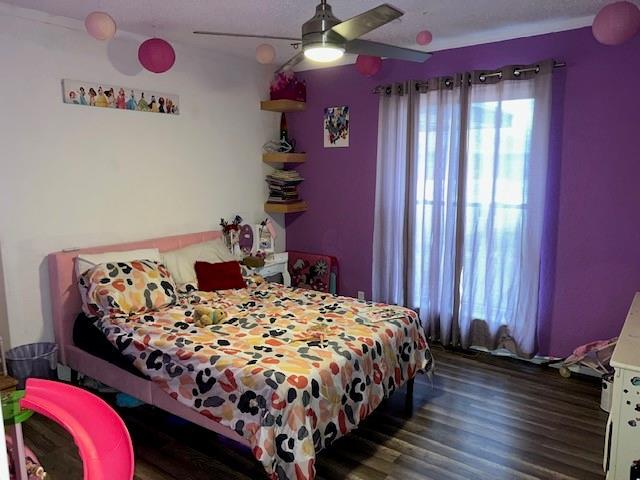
{"x":592,"y":263}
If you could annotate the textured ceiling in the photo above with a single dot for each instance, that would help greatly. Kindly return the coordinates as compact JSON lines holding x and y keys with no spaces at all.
{"x":452,"y":22}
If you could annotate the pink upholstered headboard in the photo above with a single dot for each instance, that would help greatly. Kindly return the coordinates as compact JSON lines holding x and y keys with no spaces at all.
{"x":65,"y":297}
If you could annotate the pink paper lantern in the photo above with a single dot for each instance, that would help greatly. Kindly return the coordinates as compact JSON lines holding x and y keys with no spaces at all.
{"x":100,"y":25}
{"x":424,"y":37}
{"x":265,"y":54}
{"x":616,"y":23}
{"x":156,"y":55}
{"x":368,"y":65}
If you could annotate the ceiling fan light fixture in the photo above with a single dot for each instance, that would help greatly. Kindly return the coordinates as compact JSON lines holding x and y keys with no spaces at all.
{"x":326,"y":38}
{"x":323,"y":53}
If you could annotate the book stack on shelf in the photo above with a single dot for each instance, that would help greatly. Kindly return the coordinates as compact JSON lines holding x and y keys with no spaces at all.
{"x":283,"y":186}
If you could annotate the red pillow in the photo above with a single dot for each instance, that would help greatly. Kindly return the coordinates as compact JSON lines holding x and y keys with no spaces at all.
{"x":219,"y":276}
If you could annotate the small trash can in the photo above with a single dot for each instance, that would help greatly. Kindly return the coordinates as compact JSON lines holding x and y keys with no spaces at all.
{"x":39,"y":360}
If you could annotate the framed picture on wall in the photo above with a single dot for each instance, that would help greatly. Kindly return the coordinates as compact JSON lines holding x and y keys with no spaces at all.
{"x":95,"y":94}
{"x":336,"y":126}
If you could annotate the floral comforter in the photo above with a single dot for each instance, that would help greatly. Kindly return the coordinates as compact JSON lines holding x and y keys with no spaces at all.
{"x":290,"y":370}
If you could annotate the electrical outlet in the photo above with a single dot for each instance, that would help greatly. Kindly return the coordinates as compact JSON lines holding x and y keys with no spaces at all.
{"x":360,"y":295}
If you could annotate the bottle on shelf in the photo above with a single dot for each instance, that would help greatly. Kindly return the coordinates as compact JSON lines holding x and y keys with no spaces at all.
{"x":284,"y":131}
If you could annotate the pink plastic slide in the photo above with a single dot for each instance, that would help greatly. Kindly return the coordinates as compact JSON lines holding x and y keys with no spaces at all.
{"x":100,"y":434}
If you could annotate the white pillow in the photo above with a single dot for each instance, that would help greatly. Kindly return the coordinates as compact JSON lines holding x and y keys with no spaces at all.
{"x":86,"y":261}
{"x":180,"y":263}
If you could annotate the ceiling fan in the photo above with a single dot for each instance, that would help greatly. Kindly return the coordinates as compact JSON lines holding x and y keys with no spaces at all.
{"x":325,"y":38}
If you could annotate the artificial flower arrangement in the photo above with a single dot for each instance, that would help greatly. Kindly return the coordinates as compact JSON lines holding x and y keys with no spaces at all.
{"x":285,"y":85}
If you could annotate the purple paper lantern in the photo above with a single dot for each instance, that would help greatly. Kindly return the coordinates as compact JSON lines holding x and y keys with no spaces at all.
{"x":156,"y":55}
{"x":368,"y":65}
{"x":616,"y":23}
{"x":100,"y":25}
{"x":424,"y":37}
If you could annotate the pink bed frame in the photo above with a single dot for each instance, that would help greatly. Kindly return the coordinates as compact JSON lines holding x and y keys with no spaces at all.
{"x":66,"y":305}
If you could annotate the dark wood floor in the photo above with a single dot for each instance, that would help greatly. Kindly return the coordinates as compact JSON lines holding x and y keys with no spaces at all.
{"x":485,"y":418}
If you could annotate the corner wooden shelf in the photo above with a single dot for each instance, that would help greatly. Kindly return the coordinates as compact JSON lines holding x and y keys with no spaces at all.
{"x":285,"y":207}
{"x":279,"y":157}
{"x":283,"y":106}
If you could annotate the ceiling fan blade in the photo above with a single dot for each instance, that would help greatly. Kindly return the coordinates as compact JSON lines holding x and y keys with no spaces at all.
{"x":293,"y":61}
{"x":357,"y":26}
{"x":246,"y":35}
{"x":376,"y":49}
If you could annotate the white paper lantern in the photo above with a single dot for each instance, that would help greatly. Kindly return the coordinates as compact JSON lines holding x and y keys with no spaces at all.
{"x":265,"y":54}
{"x":100,"y":25}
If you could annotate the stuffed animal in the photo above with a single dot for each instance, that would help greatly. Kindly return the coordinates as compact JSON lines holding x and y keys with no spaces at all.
{"x":205,"y":316}
{"x":258,"y":279}
{"x":253,"y":262}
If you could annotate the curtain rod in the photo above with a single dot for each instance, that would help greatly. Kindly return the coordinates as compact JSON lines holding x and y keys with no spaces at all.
{"x":517,"y":71}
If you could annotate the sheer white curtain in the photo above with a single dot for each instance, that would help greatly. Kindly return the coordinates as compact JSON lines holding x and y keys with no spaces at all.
{"x":390,"y":233}
{"x":434,"y":172}
{"x":460,"y":190}
{"x":414,"y":243}
{"x":507,"y":149}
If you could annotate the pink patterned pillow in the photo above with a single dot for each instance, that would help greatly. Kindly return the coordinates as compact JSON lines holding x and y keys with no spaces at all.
{"x":126,"y":288}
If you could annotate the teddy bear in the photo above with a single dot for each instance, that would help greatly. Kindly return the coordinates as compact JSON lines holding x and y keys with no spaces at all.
{"x":257,"y":279}
{"x":205,"y":316}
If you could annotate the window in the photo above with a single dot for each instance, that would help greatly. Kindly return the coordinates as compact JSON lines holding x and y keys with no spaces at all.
{"x":495,"y":203}
{"x":460,"y":201}
{"x":498,"y":139}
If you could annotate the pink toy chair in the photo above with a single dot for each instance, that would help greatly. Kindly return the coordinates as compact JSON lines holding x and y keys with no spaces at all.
{"x":313,"y":271}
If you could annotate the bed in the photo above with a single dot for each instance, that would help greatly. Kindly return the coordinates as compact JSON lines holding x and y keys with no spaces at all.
{"x":291,"y":370}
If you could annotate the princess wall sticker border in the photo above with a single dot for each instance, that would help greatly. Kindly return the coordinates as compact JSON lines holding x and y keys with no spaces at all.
{"x":91,"y":94}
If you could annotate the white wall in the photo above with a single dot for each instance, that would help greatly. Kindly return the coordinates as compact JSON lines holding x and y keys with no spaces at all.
{"x":4,"y":321}
{"x":73,"y":176}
